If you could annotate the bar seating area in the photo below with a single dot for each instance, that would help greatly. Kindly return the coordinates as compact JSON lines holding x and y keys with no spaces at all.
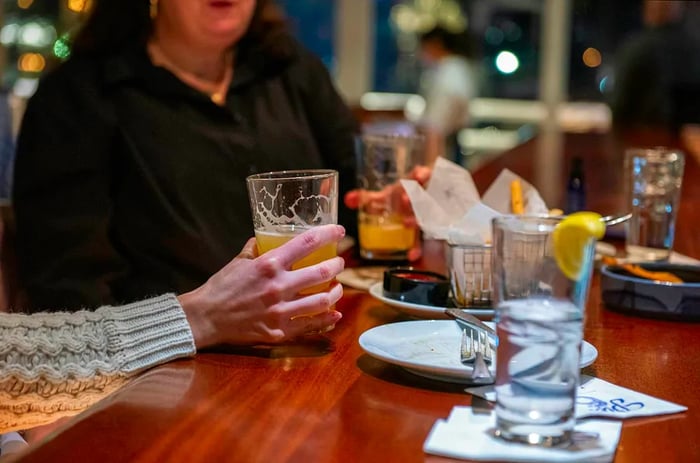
{"x":324,"y":399}
{"x":516,"y":278}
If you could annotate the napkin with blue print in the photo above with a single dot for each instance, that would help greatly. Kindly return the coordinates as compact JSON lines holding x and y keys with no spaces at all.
{"x":596,"y":397}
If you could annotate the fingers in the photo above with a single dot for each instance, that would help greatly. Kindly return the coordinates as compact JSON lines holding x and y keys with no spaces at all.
{"x":421,"y":174}
{"x":352,"y":199}
{"x":313,"y":304}
{"x":304,"y":244}
{"x":316,"y":274}
{"x":250,"y":250}
{"x":316,"y":324}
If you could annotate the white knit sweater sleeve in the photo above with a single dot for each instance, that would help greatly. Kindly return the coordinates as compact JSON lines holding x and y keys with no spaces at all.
{"x":47,"y":359}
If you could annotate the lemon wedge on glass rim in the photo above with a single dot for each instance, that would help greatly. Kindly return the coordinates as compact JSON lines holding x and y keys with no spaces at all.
{"x":570,"y":237}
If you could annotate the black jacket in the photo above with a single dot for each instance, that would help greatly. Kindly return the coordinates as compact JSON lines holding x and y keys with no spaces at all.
{"x":129,"y":183}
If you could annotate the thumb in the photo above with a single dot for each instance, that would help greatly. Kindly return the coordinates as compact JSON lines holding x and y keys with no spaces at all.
{"x":250,"y":250}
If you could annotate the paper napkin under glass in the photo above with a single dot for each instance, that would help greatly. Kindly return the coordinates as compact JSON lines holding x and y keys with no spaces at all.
{"x":466,"y":435}
{"x":596,"y":397}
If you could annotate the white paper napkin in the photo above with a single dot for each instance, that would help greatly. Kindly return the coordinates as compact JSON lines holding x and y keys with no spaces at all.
{"x":451,"y":209}
{"x":596,"y":397}
{"x":468,"y":436}
{"x":497,"y":195}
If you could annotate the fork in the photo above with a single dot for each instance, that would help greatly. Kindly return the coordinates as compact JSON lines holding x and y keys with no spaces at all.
{"x":477,"y":353}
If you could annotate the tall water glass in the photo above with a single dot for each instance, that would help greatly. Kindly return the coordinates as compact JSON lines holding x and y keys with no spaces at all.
{"x":539,"y":320}
{"x":387,"y":228}
{"x":287,"y":203}
{"x":654,"y":190}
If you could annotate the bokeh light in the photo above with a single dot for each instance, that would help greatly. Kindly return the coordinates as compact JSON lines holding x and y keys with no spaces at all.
{"x":31,"y":62}
{"x":24,"y":4}
{"x":592,"y":58}
{"x":61,"y":47}
{"x":79,"y":6}
{"x":507,"y":62}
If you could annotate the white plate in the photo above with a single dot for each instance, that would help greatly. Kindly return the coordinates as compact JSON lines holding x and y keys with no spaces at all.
{"x":430,"y":348}
{"x":420,"y":310}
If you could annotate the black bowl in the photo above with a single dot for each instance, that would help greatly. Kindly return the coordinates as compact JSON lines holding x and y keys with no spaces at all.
{"x":631,"y":294}
{"x":416,"y":286}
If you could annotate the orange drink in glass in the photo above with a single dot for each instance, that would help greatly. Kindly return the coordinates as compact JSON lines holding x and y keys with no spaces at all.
{"x":386,"y":225}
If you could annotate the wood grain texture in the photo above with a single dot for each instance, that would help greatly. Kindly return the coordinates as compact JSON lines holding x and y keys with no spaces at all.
{"x":324,"y":400}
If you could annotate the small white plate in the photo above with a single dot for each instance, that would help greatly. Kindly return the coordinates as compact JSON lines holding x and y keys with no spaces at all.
{"x":430,"y":348}
{"x":420,"y":310}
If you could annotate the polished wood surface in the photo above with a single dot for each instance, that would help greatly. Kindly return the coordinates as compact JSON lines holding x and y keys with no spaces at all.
{"x":324,"y":400}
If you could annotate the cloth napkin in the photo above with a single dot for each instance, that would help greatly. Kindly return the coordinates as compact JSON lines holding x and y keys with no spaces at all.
{"x":596,"y":397}
{"x":468,"y":436}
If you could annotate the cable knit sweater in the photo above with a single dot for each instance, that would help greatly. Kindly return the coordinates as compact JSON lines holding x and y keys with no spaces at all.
{"x":57,"y":364}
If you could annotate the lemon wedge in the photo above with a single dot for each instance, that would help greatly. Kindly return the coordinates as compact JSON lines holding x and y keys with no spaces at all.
{"x":570,"y":237}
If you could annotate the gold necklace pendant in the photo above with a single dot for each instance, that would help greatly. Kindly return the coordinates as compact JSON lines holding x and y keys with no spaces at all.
{"x":218,"y":98}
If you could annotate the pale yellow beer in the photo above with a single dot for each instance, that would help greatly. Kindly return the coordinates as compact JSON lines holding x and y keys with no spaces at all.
{"x":268,"y":240}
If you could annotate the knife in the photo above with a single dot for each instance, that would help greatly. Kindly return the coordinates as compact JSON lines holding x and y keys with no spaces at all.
{"x":465,"y":320}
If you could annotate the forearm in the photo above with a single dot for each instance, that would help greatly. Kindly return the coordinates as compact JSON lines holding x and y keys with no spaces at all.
{"x":46,"y":360}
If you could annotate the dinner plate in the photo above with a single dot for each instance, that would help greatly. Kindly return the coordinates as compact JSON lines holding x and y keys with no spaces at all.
{"x":430,"y":348}
{"x":420,"y":310}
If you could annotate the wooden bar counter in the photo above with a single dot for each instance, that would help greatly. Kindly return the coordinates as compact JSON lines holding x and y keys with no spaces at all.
{"x":325,"y":400}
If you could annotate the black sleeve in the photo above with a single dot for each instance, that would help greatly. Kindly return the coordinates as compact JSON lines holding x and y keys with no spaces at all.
{"x":334,"y":128}
{"x":62,"y":199}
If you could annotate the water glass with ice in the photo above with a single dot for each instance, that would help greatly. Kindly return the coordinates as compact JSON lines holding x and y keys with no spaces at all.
{"x":654,"y":178}
{"x":539,"y":319}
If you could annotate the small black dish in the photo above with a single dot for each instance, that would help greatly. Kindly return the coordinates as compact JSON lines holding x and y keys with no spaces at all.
{"x":624,"y":292}
{"x":416,"y":286}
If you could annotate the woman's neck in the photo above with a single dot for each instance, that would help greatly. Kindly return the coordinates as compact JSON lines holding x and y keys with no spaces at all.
{"x":209,"y":71}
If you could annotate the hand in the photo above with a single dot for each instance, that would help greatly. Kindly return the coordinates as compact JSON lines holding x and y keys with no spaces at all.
{"x":255,"y":299}
{"x":419,"y":173}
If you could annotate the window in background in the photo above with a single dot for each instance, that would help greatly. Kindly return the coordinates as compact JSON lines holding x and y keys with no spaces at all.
{"x":508,"y":34}
{"x":598,"y":28}
{"x":505,"y":35}
{"x":312,"y":22}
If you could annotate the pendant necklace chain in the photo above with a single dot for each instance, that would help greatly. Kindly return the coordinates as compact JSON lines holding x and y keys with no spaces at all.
{"x":216,"y":90}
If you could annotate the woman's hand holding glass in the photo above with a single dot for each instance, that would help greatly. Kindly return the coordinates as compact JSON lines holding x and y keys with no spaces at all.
{"x":256,"y":299}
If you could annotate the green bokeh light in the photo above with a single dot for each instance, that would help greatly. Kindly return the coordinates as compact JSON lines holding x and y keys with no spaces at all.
{"x":61,"y":47}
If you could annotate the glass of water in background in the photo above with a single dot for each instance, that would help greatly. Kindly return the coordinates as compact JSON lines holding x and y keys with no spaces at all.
{"x":539,"y":319}
{"x":654,"y":178}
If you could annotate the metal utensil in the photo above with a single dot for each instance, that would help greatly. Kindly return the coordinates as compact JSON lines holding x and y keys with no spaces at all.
{"x":476,"y":352}
{"x":470,"y":322}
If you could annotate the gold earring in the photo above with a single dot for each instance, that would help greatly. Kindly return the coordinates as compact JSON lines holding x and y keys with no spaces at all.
{"x":153,"y":8}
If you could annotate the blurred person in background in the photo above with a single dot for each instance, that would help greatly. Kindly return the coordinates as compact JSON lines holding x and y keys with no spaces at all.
{"x":133,"y":154}
{"x":657,"y":72}
{"x":448,"y":86}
